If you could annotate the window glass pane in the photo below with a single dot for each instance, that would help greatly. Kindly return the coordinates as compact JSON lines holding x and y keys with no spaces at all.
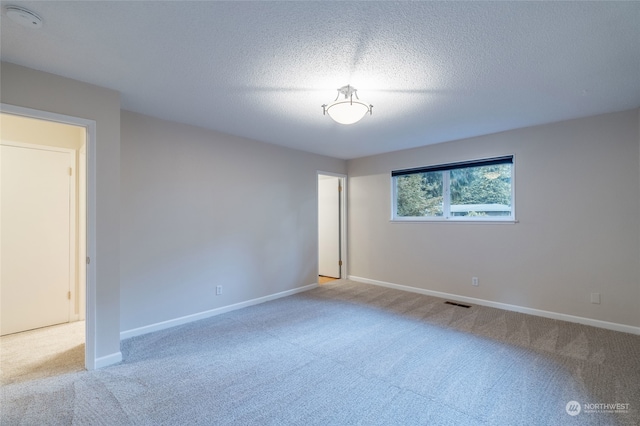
{"x":481,"y":191}
{"x":419,"y":194}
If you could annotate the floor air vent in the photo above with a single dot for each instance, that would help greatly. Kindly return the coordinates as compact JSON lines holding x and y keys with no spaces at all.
{"x":457,"y":304}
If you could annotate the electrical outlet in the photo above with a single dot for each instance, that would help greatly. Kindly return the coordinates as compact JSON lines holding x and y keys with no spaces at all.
{"x":474,"y":281}
{"x":218,"y":290}
{"x":595,"y":298}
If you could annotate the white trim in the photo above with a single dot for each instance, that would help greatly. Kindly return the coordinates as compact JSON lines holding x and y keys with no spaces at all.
{"x":90,"y":360}
{"x":210,"y":313}
{"x":90,"y":248}
{"x":420,"y":219}
{"x":107,"y":360}
{"x":82,"y":229}
{"x":339,"y":175}
{"x":52,"y":148}
{"x":343,"y":218}
{"x":73,"y":235}
{"x":515,"y":308}
{"x":343,"y":236}
{"x":446,"y":195}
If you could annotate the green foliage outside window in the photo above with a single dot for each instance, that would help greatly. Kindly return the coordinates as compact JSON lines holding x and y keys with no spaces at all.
{"x":481,"y":185}
{"x":421,"y":194}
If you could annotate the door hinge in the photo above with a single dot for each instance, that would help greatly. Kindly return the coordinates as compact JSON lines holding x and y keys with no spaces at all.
{"x":88,"y":260}
{"x":70,"y":171}
{"x":69,"y":295}
{"x":339,"y":188}
{"x":339,"y":262}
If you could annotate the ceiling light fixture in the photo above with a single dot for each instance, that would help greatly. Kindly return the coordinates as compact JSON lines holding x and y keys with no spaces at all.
{"x":347,"y":110}
{"x":23,"y":16}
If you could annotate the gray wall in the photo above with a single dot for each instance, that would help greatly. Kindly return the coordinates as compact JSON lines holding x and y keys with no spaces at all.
{"x":29,"y":88}
{"x":578,"y":206}
{"x":200,"y":209}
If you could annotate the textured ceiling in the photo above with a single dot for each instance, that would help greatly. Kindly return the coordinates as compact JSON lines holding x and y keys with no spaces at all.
{"x":434,"y":71}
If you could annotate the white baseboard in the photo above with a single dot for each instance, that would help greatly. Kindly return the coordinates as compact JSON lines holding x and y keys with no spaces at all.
{"x":210,"y":313}
{"x":105,"y":361}
{"x":515,"y":308}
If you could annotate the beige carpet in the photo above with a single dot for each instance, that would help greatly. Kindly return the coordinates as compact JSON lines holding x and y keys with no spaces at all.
{"x":346,"y":353}
{"x":44,"y":352}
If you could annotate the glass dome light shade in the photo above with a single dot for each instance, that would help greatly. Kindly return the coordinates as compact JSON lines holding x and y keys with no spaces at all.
{"x":347,"y":111}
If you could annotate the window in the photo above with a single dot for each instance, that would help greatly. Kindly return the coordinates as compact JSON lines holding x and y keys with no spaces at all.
{"x":480,"y":190}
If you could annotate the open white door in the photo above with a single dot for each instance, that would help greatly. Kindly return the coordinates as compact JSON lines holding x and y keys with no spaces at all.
{"x":36,"y":252}
{"x":329,"y":226}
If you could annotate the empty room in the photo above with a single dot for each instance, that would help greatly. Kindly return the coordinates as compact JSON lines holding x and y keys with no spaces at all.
{"x":319,"y":213}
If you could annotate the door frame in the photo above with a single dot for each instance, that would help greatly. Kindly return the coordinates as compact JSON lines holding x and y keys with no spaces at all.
{"x":90,"y":285}
{"x":343,"y":221}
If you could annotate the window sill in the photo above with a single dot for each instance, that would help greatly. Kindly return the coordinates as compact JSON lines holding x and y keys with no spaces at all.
{"x":465,"y":221}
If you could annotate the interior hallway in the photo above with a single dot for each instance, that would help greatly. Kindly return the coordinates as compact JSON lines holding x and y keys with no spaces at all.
{"x":43,"y":352}
{"x":323,"y":280}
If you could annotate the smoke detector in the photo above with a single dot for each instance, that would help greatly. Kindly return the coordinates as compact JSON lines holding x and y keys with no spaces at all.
{"x":23,"y":16}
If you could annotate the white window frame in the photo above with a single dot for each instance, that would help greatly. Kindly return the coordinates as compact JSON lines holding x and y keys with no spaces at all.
{"x":446,"y":196}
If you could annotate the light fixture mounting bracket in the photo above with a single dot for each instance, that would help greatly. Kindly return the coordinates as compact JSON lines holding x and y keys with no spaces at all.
{"x":347,"y":91}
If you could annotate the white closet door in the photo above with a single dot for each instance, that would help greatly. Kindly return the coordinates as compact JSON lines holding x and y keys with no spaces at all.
{"x":34,"y":233}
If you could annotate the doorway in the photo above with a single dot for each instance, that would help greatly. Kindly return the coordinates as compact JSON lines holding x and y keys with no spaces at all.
{"x":331,"y":227}
{"x":44,"y":229}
